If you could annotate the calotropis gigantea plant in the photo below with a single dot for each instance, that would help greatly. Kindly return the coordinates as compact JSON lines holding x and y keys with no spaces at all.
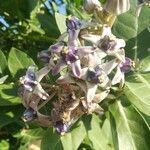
{"x":88,"y":61}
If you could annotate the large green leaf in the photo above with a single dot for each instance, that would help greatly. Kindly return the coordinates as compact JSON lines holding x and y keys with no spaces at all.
{"x":138,"y":91}
{"x":145,"y":64}
{"x":95,"y":134}
{"x":48,"y":24}
{"x":128,"y":25}
{"x":70,"y":141}
{"x":3,"y":63}
{"x":73,"y":139}
{"x":8,"y":95}
{"x":10,"y":114}
{"x":61,"y":22}
{"x":100,"y":139}
{"x":18,"y":61}
{"x":4,"y":145}
{"x":51,"y":140}
{"x":133,"y":29}
{"x":3,"y":79}
{"x":128,"y":128}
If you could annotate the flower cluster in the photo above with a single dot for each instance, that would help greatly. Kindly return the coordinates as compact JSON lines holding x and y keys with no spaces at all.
{"x":87,"y":64}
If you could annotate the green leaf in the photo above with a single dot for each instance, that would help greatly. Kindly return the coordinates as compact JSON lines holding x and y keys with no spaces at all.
{"x":128,"y":128}
{"x":137,"y":91}
{"x":3,"y":79}
{"x":106,"y":131}
{"x":4,"y":145}
{"x":134,"y":29}
{"x":30,"y":136}
{"x":128,"y":25}
{"x":145,"y":64}
{"x":71,"y":140}
{"x":61,"y":22}
{"x":51,"y":140}
{"x":3,"y":64}
{"x":74,"y":138}
{"x":8,"y":94}
{"x":96,"y":134}
{"x":35,"y":133}
{"x":10,"y":114}
{"x":18,"y":61}
{"x":48,"y":24}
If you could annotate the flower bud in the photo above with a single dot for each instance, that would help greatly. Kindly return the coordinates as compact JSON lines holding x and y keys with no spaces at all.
{"x":90,"y":5}
{"x":117,"y":7}
{"x":73,"y":23}
{"x":126,"y":66}
{"x":61,"y":127}
{"x":29,"y":114}
{"x":44,"y":56}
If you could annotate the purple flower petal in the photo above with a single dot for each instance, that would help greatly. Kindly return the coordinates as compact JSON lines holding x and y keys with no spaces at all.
{"x":73,"y":23}
{"x":107,"y":44}
{"x":29,"y":114}
{"x":61,"y":127}
{"x":76,"y":68}
{"x":56,"y":48}
{"x":44,"y":56}
{"x":126,"y":66}
{"x":58,"y":67}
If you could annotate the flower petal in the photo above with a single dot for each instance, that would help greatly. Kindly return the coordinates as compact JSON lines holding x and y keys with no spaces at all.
{"x":120,"y":54}
{"x":109,"y":66}
{"x":58,"y":67}
{"x":57,"y":47}
{"x":106,"y":31}
{"x":65,"y":79}
{"x":92,"y":38}
{"x":120,"y":43}
{"x":117,"y":7}
{"x":91,"y":90}
{"x":76,"y":68}
{"x":118,"y":76}
{"x":41,"y":73}
{"x":40,"y":92}
{"x":85,"y":50}
{"x":72,"y":38}
{"x":100,"y":96}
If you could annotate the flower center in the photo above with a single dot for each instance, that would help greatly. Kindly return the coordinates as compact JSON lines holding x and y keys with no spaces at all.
{"x":107,"y":44}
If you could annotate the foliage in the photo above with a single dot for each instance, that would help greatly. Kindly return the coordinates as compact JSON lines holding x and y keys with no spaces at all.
{"x":27,"y":27}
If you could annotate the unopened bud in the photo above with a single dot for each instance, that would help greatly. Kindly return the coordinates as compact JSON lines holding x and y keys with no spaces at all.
{"x":90,"y":5}
{"x":117,"y":7}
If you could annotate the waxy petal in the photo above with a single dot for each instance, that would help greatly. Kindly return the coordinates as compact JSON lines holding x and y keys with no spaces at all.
{"x":58,"y":67}
{"x":106,"y":31}
{"x":72,"y":38}
{"x":120,"y":43}
{"x":91,"y":38}
{"x":85,"y":50}
{"x":117,"y":7}
{"x":41,"y":73}
{"x":57,"y":47}
{"x":66,"y":79}
{"x":118,"y":76}
{"x":91,"y":90}
{"x":90,"y":5}
{"x":109,"y":66}
{"x":76,"y":68}
{"x":100,"y":96}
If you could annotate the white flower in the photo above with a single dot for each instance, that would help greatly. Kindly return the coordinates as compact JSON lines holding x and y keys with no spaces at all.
{"x":107,"y":43}
{"x":31,"y":81}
